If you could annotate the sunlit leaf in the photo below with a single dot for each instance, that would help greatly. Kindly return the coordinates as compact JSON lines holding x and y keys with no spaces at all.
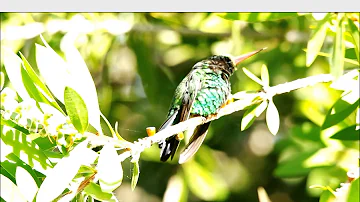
{"x":62,"y":174}
{"x":349,"y":133}
{"x":26,"y":183}
{"x":10,"y":192}
{"x":110,"y":172}
{"x":256,"y":17}
{"x":76,"y":109}
{"x":95,"y":191}
{"x":13,"y":124}
{"x":135,"y":175}
{"x":265,"y":75}
{"x":272,"y":118}
{"x":328,"y":55}
{"x":353,"y":194}
{"x":337,"y":60}
{"x":338,"y":112}
{"x":354,"y":31}
{"x":12,"y":65}
{"x":316,"y":40}
{"x":2,"y":80}
{"x":252,"y":76}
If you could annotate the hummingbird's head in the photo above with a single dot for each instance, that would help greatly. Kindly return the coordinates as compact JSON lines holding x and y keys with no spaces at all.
{"x":227,"y":65}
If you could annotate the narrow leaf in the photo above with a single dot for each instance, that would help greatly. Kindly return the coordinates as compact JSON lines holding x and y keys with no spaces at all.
{"x":26,"y":183}
{"x":13,"y":124}
{"x":76,"y":109}
{"x":2,"y":80}
{"x":252,"y":76}
{"x":12,"y":65}
{"x":109,"y":168}
{"x":316,"y":40}
{"x":337,"y":61}
{"x":272,"y":118}
{"x":83,"y":83}
{"x":135,"y":175}
{"x":9,"y":191}
{"x":257,"y":17}
{"x":36,"y":80}
{"x":327,"y":196}
{"x":58,"y":179}
{"x":261,"y":108}
{"x":339,"y":112}
{"x":349,"y":133}
{"x":265,"y":76}
{"x":354,"y":31}
{"x":248,"y":118}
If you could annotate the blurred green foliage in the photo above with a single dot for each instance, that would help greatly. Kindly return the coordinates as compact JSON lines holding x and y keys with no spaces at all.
{"x":136,"y":61}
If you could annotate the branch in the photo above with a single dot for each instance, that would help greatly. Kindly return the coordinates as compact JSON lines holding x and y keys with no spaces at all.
{"x":246,"y":99}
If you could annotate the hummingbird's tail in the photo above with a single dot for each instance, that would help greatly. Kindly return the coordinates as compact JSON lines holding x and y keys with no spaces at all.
{"x":168,"y":148}
{"x":194,"y":143}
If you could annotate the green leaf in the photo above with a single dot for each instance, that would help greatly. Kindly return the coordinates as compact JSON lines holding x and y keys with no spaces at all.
{"x":327,"y":196}
{"x":265,"y":76}
{"x":316,"y":40}
{"x":76,"y":109}
{"x":32,"y":89}
{"x":203,"y":183}
{"x":26,"y":183}
{"x":248,"y":118}
{"x":354,"y":31}
{"x":10,"y":192}
{"x":2,"y":80}
{"x":83,"y":84}
{"x":252,"y":76}
{"x":272,"y":118}
{"x":337,"y":61}
{"x":13,"y":124}
{"x":349,"y":133}
{"x":36,"y":80}
{"x":95,"y":192}
{"x":353,"y":194}
{"x":256,"y":17}
{"x":135,"y":176}
{"x":109,"y":169}
{"x":58,"y":179}
{"x":338,"y":112}
{"x":12,"y":65}
{"x":350,"y":61}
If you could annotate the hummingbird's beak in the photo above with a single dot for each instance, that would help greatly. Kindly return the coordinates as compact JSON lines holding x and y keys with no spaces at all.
{"x":241,"y":58}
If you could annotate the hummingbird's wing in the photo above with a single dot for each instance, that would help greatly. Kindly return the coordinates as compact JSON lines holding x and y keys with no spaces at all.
{"x":188,"y":92}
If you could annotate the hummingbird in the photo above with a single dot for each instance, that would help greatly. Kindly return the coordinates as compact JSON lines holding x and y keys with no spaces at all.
{"x":204,"y":90}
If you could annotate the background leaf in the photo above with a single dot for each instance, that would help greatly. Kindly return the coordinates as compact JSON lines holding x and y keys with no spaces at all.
{"x":354,"y":31}
{"x":316,"y":40}
{"x":337,"y":61}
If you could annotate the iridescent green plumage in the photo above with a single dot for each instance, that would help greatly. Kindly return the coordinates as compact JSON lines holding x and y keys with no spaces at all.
{"x":201,"y":93}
